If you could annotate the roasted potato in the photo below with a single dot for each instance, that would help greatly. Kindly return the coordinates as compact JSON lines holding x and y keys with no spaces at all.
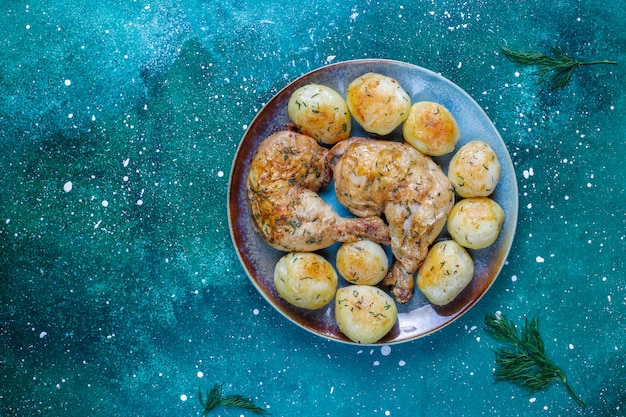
{"x":364,"y":313}
{"x":363,"y":262}
{"x":431,"y":129}
{"x":320,"y":112}
{"x":378,"y":103}
{"x":446,"y":271}
{"x":474,"y":170}
{"x":306,"y":280}
{"x":475,"y":222}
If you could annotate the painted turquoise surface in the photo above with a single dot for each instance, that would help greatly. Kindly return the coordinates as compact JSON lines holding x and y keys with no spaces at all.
{"x":121,"y":291}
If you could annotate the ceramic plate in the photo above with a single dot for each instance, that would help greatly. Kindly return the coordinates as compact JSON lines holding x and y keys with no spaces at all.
{"x":418,"y":317}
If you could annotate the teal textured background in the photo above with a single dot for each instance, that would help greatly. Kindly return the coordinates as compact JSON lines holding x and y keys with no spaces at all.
{"x":123,"y":295}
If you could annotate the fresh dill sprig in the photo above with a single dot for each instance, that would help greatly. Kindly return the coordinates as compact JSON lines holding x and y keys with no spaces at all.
{"x":556,"y":70}
{"x":215,"y":398}
{"x":523,"y":361}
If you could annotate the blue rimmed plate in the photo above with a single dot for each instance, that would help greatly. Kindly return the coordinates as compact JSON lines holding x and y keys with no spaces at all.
{"x":418,"y":317}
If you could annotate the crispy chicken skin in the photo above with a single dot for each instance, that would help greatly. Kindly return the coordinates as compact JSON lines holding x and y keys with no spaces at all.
{"x":377,"y":177}
{"x":285,"y":174}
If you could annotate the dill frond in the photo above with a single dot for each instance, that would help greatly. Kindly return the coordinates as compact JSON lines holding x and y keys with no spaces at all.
{"x":523,"y":360}
{"x":553,"y":70}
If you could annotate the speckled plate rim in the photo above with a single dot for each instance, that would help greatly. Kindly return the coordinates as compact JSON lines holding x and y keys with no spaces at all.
{"x":417,"y":318}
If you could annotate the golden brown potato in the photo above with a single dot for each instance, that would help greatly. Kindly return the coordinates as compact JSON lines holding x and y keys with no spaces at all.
{"x":446,"y":271}
{"x":474,"y":170}
{"x":475,"y":222}
{"x":364,"y":313}
{"x":431,"y":129}
{"x":378,"y":103}
{"x":306,"y":280}
{"x":321,"y":113}
{"x":363,"y":262}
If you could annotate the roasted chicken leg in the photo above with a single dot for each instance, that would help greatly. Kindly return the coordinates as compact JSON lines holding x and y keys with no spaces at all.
{"x":377,"y":177}
{"x":285,"y":174}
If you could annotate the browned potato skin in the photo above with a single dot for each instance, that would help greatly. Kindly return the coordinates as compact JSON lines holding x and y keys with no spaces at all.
{"x":363,"y":262}
{"x":306,"y":280}
{"x":474,"y":170}
{"x":445,"y":273}
{"x":475,"y":222}
{"x":365,"y":314}
{"x":378,"y":103}
{"x":320,"y":112}
{"x":431,"y":129}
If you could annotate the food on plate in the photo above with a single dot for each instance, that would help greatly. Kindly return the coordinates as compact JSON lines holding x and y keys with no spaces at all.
{"x":431,"y":128}
{"x":377,"y":102}
{"x":445,"y":273}
{"x":320,"y":112}
{"x":363,"y":262}
{"x":365,"y":314}
{"x":474,"y":170}
{"x":306,"y":280}
{"x":475,"y":222}
{"x":285,"y":174}
{"x":378,"y":177}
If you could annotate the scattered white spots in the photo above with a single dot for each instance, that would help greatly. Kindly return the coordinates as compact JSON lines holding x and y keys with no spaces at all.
{"x":42,"y":335}
{"x":95,"y":226}
{"x":589,"y":185}
{"x":70,"y":115}
{"x":245,"y":127}
{"x":529,"y":205}
{"x":387,"y":413}
{"x":608,"y":297}
{"x":528,"y":173}
{"x":8,"y":221}
{"x":332,"y":389}
{"x":517,"y":73}
{"x":545,"y":407}
{"x":459,"y":65}
{"x":514,"y":278}
{"x":478,"y":338}
{"x":125,"y":162}
{"x":566,"y":197}
{"x":125,"y":178}
{"x":539,"y":259}
{"x":139,"y":202}
{"x":220,"y":174}
{"x":67,"y":187}
{"x":532,"y":400}
{"x":200,"y":374}
{"x":27,"y":27}
{"x":376,"y":363}
{"x":331,"y":58}
{"x":385,"y":350}
{"x":183,"y":397}
{"x":93,"y":117}
{"x":147,"y":7}
{"x":68,"y":83}
{"x":402,"y":363}
{"x":255,"y":311}
{"x":571,"y":346}
{"x":105,"y":203}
